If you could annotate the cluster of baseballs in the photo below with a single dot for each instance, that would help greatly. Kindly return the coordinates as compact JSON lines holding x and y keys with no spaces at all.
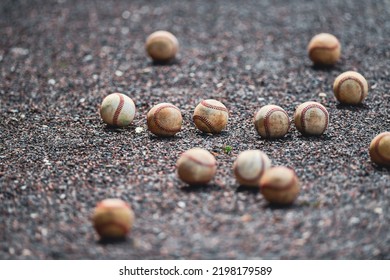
{"x":310,"y":118}
{"x":211,"y":116}
{"x":252,"y":168}
{"x":349,"y":88}
{"x":164,"y":119}
{"x":113,"y":218}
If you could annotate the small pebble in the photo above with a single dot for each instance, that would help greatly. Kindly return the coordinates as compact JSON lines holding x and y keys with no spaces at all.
{"x":246,"y":218}
{"x":19,"y":51}
{"x":322,"y":94}
{"x":26,"y":252}
{"x":88,"y":58}
{"x":354,"y":221}
{"x":126,"y":14}
{"x":34,"y":215}
{"x":181,"y":204}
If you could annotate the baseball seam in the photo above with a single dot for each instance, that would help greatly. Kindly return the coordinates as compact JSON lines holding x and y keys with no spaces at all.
{"x":118,"y":110}
{"x":158,"y":124}
{"x":376,"y":148}
{"x":198,"y":161}
{"x":204,"y":103}
{"x":354,"y":79}
{"x":308,"y":107}
{"x":323,"y":48}
{"x":289,"y":185}
{"x":266,"y":120}
{"x":205,"y":121}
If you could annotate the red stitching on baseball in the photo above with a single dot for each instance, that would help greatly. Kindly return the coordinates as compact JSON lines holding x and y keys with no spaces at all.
{"x":304,"y":110}
{"x":356,"y":80}
{"x":376,"y":148}
{"x":119,"y":109}
{"x":198,"y":161}
{"x":266,"y":120}
{"x":205,"y":121}
{"x":157,"y":122}
{"x":204,"y":103}
{"x":323,"y":48}
{"x":100,"y":226}
{"x":289,"y":185}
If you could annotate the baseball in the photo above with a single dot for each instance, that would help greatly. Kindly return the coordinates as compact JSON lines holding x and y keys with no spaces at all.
{"x":271,"y":121}
{"x":164,"y":119}
{"x":380,"y":149}
{"x":350,"y":88}
{"x":324,"y":48}
{"x":280,"y":185}
{"x":162,"y":46}
{"x":196,"y":166}
{"x":250,"y":166}
{"x":117,"y":109}
{"x":311,"y":118}
{"x":112,"y":218}
{"x":210,"y":116}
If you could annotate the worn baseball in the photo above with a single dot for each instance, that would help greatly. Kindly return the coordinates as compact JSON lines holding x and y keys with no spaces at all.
{"x":162,"y":46}
{"x":380,"y":149}
{"x":112,"y":218}
{"x":164,"y":119}
{"x":250,"y":166}
{"x":311,"y":118}
{"x":117,"y":109}
{"x":210,"y":116}
{"x":280,"y":185}
{"x":271,"y":121}
{"x":196,"y":166}
{"x":350,"y":88}
{"x":324,"y":48}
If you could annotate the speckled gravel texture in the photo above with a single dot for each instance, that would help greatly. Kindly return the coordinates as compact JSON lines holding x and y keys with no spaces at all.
{"x":58,"y":59}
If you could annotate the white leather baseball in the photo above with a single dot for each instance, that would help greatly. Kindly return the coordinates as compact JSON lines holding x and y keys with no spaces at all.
{"x":117,"y":109}
{"x":164,"y":119}
{"x":210,"y":116}
{"x":311,"y":118}
{"x":271,"y":121}
{"x":250,"y":166}
{"x":196,"y":166}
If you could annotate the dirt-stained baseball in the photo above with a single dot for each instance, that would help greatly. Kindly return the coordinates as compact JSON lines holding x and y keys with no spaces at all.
{"x":196,"y":166}
{"x":271,"y":121}
{"x":250,"y":166}
{"x":380,"y":149}
{"x":210,"y":116}
{"x":117,"y":109}
{"x":162,"y":46}
{"x":324,"y":48}
{"x":112,"y":218}
{"x":164,"y":119}
{"x":311,"y":118}
{"x":280,"y":185}
{"x":350,"y":88}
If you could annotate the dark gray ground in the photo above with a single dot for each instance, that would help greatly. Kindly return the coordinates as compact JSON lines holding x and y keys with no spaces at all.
{"x":58,"y":59}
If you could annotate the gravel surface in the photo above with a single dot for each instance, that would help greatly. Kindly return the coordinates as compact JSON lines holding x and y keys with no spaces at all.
{"x":58,"y":59}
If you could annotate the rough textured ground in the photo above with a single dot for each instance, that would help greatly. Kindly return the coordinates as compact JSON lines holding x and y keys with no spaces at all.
{"x":58,"y":59}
